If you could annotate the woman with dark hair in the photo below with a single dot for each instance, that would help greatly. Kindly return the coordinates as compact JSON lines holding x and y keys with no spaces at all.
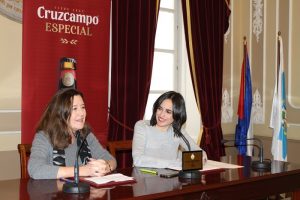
{"x":61,"y":131}
{"x":158,"y":142}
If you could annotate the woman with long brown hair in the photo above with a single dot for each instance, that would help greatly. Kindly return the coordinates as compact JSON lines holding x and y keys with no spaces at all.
{"x":61,"y":131}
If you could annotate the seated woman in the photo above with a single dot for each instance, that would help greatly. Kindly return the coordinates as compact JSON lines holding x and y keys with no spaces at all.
{"x":157,"y":143}
{"x":60,"y":132}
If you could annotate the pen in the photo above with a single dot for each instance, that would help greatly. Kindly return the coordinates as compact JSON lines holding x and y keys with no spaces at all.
{"x":148,"y":171}
{"x":66,"y":180}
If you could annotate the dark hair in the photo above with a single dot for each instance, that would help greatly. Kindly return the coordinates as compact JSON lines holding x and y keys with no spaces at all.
{"x":55,"y":119}
{"x":179,"y":112}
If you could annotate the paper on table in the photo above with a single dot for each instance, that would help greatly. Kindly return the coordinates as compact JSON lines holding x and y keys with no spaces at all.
{"x":212,"y":165}
{"x":110,"y":178}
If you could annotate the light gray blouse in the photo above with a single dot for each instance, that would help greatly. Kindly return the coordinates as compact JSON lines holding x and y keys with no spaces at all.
{"x":153,"y":148}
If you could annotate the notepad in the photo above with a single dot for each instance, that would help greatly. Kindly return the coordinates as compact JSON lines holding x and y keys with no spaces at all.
{"x":212,"y":165}
{"x":109,"y":180}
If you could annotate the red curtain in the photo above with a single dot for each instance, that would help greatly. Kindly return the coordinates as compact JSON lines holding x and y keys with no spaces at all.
{"x":133,"y":33}
{"x":205,"y":23}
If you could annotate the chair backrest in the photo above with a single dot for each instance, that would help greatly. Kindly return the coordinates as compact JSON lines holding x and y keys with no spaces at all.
{"x":24,"y":152}
{"x":120,"y":145}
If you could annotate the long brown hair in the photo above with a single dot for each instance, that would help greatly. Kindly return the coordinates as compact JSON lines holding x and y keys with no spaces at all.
{"x":55,"y":119}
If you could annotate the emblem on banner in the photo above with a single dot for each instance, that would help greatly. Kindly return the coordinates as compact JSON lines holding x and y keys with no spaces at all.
{"x":67,"y":73}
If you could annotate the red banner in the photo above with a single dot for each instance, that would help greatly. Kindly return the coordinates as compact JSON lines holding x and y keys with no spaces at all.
{"x":56,"y":29}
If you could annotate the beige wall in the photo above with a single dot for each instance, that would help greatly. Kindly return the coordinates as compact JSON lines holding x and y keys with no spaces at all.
{"x":276,"y":15}
{"x":10,"y":83}
{"x":10,"y":96}
{"x":10,"y":165}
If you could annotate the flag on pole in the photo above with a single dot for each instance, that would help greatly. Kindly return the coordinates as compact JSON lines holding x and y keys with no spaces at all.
{"x":278,"y":114}
{"x":243,"y":130}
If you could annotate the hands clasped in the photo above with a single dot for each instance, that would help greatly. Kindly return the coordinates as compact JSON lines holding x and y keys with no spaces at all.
{"x":97,"y":167}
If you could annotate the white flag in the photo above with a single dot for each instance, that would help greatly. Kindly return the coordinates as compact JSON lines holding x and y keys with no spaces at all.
{"x":278,"y":114}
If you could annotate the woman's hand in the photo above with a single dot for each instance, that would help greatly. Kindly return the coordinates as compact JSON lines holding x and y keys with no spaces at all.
{"x":92,"y":168}
{"x":99,"y":167}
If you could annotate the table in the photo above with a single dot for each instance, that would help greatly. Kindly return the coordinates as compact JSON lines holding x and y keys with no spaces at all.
{"x":242,"y":183}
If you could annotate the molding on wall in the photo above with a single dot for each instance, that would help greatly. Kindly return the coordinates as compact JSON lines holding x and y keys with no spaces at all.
{"x":9,"y":132}
{"x":12,"y":9}
{"x":10,"y":110}
{"x":289,"y":67}
{"x":257,"y":109}
{"x":231,"y":56}
{"x":249,"y":40}
{"x":264,"y":64}
{"x":292,"y":124}
{"x":227,"y":110}
{"x":257,"y":22}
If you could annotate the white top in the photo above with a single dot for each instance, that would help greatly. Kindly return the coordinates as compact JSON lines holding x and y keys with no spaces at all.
{"x":154,"y":148}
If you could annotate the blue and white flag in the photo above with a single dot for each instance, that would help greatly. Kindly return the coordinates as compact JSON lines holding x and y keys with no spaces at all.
{"x":278,"y":114}
{"x":243,"y":131}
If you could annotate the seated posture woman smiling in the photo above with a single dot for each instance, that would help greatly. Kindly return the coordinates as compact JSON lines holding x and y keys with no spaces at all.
{"x":61,"y":130}
{"x":157,"y":143}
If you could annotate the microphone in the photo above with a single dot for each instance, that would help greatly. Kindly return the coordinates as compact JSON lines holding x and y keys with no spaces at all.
{"x":187,"y":174}
{"x":261,"y":164}
{"x":178,"y":132}
{"x":77,"y":187}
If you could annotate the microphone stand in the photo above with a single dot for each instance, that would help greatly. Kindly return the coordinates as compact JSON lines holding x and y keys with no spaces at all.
{"x":260,"y":165}
{"x":76,"y":187}
{"x":187,"y":174}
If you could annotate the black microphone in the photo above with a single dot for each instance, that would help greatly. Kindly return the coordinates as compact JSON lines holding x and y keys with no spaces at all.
{"x":183,"y":137}
{"x":259,"y":165}
{"x":77,"y":187}
{"x":187,"y":174}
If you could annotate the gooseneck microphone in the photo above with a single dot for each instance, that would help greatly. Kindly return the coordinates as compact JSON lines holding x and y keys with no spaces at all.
{"x":188,"y":174}
{"x":77,"y":187}
{"x":258,"y":165}
{"x":180,"y":134}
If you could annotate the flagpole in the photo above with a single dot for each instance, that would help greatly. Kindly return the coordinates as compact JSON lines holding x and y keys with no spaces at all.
{"x":278,"y":58}
{"x":278,"y":113}
{"x":243,"y":129}
{"x":249,"y":143}
{"x":245,"y":47}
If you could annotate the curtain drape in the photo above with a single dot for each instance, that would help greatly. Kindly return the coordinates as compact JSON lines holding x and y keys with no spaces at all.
{"x":205,"y":23}
{"x":133,"y":33}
